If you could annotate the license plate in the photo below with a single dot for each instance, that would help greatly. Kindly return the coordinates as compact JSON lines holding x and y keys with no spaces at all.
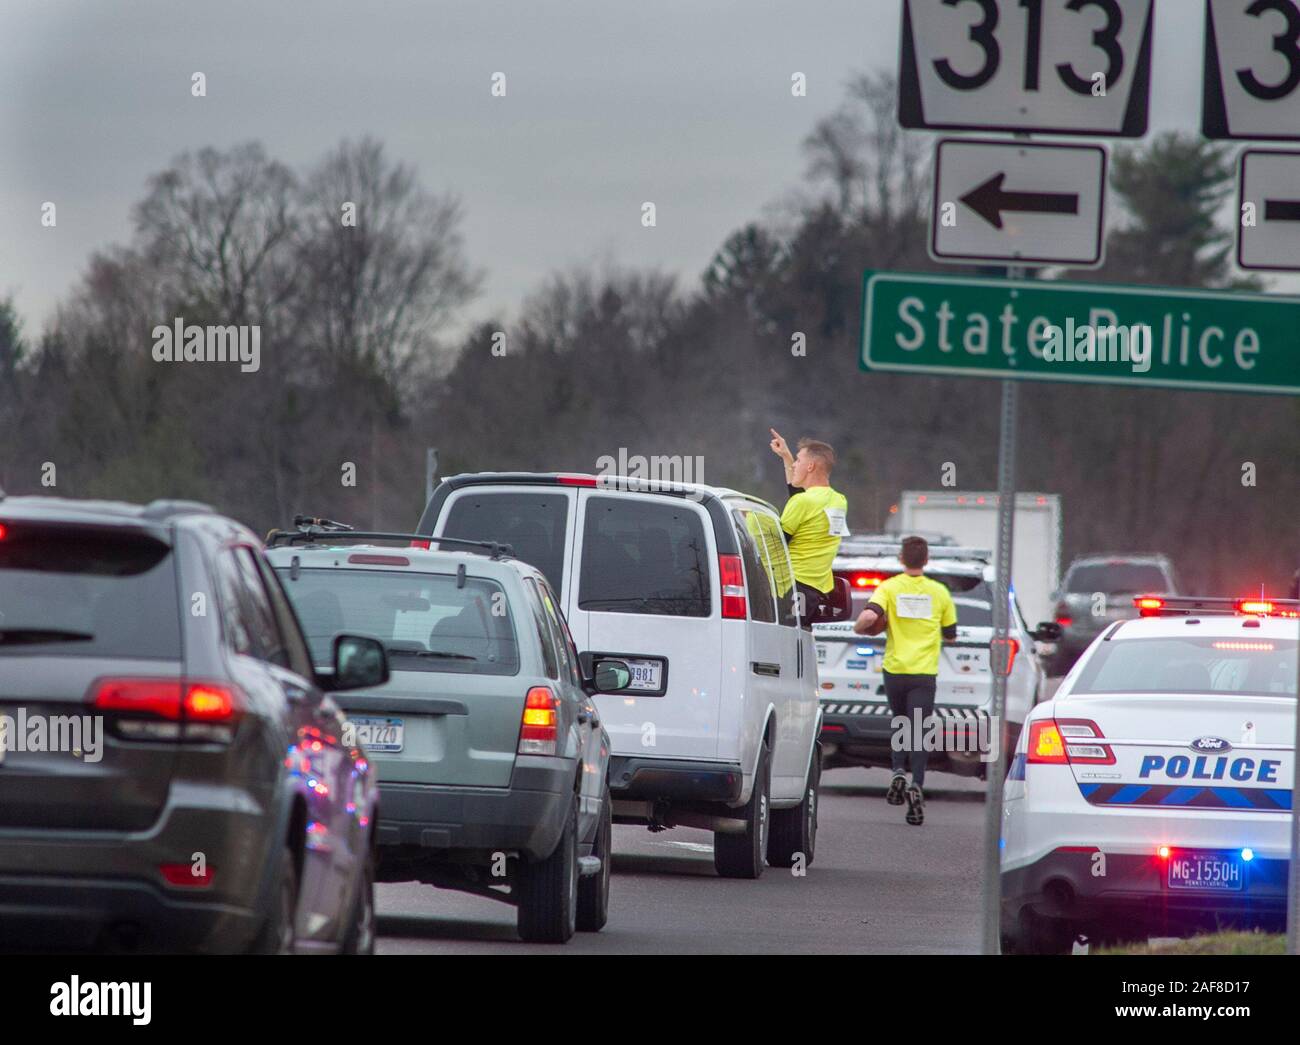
{"x":1212,"y":871}
{"x":380,"y":736}
{"x":646,"y":674}
{"x":821,"y":653}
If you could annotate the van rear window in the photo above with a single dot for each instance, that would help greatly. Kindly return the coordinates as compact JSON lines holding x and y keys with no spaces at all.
{"x":644,"y":557}
{"x":533,"y":524}
{"x":79,"y":594}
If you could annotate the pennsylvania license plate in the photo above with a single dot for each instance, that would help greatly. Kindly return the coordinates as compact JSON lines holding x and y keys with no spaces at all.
{"x":379,"y":736}
{"x":646,"y":674}
{"x":1216,"y":872}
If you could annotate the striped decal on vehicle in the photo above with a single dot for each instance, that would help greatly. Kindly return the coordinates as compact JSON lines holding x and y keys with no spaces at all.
{"x":1258,"y":799}
{"x":833,"y":708}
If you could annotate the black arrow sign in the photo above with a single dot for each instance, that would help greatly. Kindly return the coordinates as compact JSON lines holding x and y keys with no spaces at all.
{"x":989,"y":200}
{"x":1282,"y":210}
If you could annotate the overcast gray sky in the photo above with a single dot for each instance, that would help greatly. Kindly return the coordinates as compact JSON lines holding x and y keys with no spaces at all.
{"x":683,"y":102}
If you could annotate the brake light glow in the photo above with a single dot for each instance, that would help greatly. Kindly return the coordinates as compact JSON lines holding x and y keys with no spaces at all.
{"x":426,"y":545}
{"x":1065,"y":622}
{"x":1260,"y":606}
{"x":576,"y":480}
{"x":208,"y":703}
{"x":1004,"y":654}
{"x":1045,"y":744}
{"x":732,"y":575}
{"x":540,"y":727}
{"x":1163,"y":852}
{"x":1253,"y":647}
{"x":184,"y":875}
{"x":1068,"y":740}
{"x":3,"y":531}
{"x":1149,"y":605}
{"x":157,"y":697}
{"x":866,"y":580}
{"x":167,"y":709}
{"x":379,"y":560}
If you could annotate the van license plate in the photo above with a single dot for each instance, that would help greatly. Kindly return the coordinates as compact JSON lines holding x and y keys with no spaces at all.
{"x":380,"y":736}
{"x":646,"y":674}
{"x":1212,"y":871}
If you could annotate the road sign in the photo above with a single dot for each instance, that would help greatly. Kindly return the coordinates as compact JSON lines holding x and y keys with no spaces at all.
{"x":1252,"y":70}
{"x":1224,"y":341}
{"x":1046,"y":66}
{"x":1015,"y":202}
{"x":1268,"y":235}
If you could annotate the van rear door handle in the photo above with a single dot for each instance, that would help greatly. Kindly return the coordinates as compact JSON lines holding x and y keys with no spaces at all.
{"x":763,"y":667}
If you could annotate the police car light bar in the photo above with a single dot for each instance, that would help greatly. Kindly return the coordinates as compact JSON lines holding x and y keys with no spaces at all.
{"x":1186,"y":605}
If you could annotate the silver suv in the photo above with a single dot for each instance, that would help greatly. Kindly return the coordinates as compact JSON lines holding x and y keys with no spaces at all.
{"x":492,"y":759}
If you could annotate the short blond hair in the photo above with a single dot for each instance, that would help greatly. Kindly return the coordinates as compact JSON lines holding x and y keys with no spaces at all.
{"x":823,"y":452}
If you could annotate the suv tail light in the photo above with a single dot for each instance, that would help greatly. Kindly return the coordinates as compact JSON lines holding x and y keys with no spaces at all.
{"x":732,"y":575}
{"x":539,"y":730}
{"x":1003,"y":654}
{"x":170,"y":709}
{"x":1074,"y":741}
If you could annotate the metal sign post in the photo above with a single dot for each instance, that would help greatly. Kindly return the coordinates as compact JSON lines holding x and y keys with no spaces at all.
{"x":1001,"y":628}
{"x":1293,"y":880}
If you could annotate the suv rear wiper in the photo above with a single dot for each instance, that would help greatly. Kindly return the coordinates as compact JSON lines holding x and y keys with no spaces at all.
{"x":430,"y":653}
{"x":31,"y":636}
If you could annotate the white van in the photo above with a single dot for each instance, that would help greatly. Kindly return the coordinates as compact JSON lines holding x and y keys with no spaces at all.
{"x":691,"y":586}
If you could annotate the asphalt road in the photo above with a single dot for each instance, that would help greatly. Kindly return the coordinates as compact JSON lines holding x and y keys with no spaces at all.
{"x":877,"y":886}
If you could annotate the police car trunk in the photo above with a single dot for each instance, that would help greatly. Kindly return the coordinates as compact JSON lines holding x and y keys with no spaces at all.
{"x":856,"y":715}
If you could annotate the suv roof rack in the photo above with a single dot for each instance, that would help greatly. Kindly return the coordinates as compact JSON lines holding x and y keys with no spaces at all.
{"x":311,"y":530}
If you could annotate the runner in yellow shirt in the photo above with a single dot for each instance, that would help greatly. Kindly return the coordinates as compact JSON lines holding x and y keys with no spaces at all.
{"x":813,"y":520}
{"x":919,"y":614}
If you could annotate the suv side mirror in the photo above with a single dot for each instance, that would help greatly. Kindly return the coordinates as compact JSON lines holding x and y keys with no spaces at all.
{"x":609,"y":676}
{"x":359,"y":662}
{"x":1048,"y":631}
{"x":839,"y":603}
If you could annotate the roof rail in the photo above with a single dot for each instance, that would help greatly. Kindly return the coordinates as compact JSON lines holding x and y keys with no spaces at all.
{"x":493,"y":549}
{"x":164,"y":508}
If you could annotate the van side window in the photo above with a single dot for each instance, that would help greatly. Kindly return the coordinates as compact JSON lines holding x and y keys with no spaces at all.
{"x":644,"y":557}
{"x":533,"y":524}
{"x":550,"y":656}
{"x":757,"y":582}
{"x":767,"y":531}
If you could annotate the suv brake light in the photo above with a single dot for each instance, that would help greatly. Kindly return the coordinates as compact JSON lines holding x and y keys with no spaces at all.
{"x":732,"y":576}
{"x":539,"y":730}
{"x":169,"y":709}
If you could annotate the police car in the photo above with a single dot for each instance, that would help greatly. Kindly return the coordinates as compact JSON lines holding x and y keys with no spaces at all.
{"x":1152,"y":794}
{"x":856,"y":719}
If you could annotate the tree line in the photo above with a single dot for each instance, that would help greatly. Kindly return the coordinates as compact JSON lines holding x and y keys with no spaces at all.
{"x":360,"y":371}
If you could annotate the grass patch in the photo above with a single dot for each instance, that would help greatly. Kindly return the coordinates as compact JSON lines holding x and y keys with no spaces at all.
{"x":1209,"y":943}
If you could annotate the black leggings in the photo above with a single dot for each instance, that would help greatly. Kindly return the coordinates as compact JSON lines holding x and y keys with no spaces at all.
{"x":812,"y":603}
{"x":912,"y":696}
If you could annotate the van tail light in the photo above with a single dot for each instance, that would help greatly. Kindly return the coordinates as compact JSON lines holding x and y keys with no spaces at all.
{"x":539,"y":732}
{"x":169,"y":709}
{"x":733,"y":587}
{"x":1072,"y":741}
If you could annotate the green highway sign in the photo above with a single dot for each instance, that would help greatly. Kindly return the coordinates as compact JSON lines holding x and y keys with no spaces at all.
{"x":1224,"y":341}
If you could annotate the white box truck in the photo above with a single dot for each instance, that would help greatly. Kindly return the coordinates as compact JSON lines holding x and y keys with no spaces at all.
{"x":970,"y":519}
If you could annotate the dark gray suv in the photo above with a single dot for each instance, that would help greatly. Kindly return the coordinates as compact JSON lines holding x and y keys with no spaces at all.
{"x":173,"y":776}
{"x":1098,"y":590}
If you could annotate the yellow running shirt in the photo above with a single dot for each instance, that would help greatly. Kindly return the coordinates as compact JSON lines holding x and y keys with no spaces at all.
{"x":814,"y":522}
{"x":918,"y":609}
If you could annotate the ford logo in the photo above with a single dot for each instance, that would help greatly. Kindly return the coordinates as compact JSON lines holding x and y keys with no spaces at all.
{"x":1210,"y":744}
